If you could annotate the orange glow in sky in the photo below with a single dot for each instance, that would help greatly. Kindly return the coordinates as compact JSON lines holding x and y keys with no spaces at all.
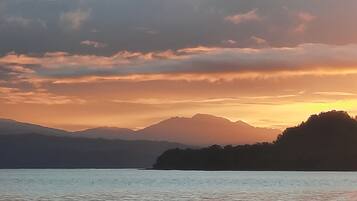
{"x":265,"y":96}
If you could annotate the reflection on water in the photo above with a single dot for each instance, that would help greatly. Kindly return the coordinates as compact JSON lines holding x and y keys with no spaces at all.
{"x":150,"y":185}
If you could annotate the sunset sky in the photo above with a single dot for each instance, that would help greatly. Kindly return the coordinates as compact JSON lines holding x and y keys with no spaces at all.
{"x":76,"y":64}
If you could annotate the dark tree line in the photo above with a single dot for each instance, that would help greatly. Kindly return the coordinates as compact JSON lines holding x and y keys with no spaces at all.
{"x":327,"y":141}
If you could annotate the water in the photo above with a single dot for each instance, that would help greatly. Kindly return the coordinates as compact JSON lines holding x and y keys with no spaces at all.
{"x":142,"y":185}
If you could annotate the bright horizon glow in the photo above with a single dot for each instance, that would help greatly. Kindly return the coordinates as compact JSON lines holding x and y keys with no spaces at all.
{"x":300,"y":111}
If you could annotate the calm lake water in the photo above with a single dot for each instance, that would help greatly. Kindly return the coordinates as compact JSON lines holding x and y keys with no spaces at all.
{"x":88,"y":184}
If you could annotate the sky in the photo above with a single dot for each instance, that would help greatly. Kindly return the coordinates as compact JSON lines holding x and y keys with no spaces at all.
{"x":76,"y":64}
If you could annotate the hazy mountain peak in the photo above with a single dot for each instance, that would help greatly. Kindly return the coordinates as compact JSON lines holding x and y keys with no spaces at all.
{"x":217,"y":120}
{"x":208,"y":117}
{"x":203,"y":116}
{"x":243,"y":123}
{"x":203,"y":129}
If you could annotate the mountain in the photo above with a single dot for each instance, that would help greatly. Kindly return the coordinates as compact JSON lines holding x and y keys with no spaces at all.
{"x":106,"y":133}
{"x":44,"y":151}
{"x":203,"y":129}
{"x":324,"y":142}
{"x":11,"y":127}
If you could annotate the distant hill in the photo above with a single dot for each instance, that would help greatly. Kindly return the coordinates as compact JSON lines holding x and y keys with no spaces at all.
{"x":324,"y":142}
{"x":204,"y":129}
{"x":24,"y":145}
{"x":201,"y":129}
{"x":41,"y":151}
{"x":12,"y":127}
{"x":107,"y":133}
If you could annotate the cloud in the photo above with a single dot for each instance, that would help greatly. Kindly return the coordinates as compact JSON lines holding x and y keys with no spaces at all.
{"x":229,"y":42}
{"x":147,"y":30}
{"x":154,"y":101}
{"x":217,"y":100}
{"x":244,"y":17}
{"x":258,"y":40}
{"x":304,"y":19}
{"x":41,"y":96}
{"x":335,"y":93}
{"x":175,"y":25}
{"x":73,"y":20}
{"x":192,"y":63}
{"x":19,"y":21}
{"x":94,"y":44}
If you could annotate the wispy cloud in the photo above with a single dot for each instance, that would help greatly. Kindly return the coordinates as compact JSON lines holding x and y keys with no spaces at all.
{"x":147,"y":30}
{"x":194,"y":63}
{"x":19,"y":21}
{"x":304,"y":19}
{"x":229,"y":42}
{"x":94,"y":44}
{"x":73,"y":20}
{"x":335,"y":93}
{"x":16,"y":96}
{"x":244,"y":17}
{"x":258,"y":40}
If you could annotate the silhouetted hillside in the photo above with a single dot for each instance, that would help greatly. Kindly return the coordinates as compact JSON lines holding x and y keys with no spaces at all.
{"x":324,"y":142}
{"x":41,"y":151}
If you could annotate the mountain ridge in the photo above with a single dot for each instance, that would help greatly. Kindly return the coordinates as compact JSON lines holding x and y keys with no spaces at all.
{"x":13,"y":127}
{"x":206,"y":129}
{"x":200,"y":129}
